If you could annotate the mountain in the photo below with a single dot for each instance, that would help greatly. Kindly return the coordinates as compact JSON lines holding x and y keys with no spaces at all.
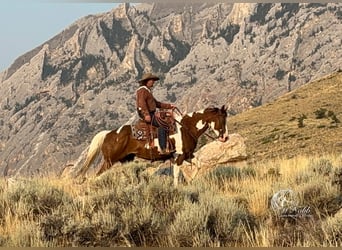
{"x":56,"y":97}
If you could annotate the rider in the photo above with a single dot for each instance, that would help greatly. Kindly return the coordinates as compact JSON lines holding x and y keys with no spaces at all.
{"x":146,"y":106}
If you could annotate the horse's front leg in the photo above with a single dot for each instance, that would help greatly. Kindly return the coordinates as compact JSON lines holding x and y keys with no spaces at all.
{"x":178,"y":160}
{"x":176,"y":169}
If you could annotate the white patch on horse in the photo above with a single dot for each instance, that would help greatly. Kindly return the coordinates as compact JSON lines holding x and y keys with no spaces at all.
{"x":178,"y":139}
{"x":177,"y":136}
{"x":156,"y":142}
{"x":226,"y":133}
{"x":119,"y":130}
{"x":200,"y":124}
{"x":212,"y":125}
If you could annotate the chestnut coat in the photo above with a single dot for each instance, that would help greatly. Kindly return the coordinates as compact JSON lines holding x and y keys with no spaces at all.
{"x":146,"y":103}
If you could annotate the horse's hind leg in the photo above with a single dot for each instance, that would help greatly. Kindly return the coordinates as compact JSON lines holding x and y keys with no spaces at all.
{"x":114,"y":148}
{"x":105,"y":166}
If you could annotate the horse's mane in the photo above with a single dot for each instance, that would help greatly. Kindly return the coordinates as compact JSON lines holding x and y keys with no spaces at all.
{"x":212,"y":109}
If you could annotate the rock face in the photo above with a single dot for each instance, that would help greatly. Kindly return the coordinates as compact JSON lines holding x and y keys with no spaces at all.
{"x":215,"y":153}
{"x":55,"y":98}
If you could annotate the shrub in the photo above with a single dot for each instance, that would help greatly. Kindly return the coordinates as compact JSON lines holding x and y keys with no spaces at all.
{"x":25,"y":235}
{"x":321,"y":167}
{"x":163,"y":196}
{"x":36,"y":199}
{"x":215,"y":220}
{"x":333,"y":117}
{"x":300,"y":120}
{"x":227,"y":173}
{"x":143,"y":227}
{"x":320,"y":113}
{"x":248,"y":171}
{"x":82,"y":234}
{"x":302,"y":178}
{"x":332,"y":229}
{"x":321,"y":198}
{"x":269,"y":138}
{"x":337,"y":178}
{"x":273,"y":172}
{"x":131,"y":175}
{"x":51,"y":227}
{"x":2,"y":241}
{"x":223,"y":174}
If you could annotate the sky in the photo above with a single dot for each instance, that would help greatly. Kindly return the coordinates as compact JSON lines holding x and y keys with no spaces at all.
{"x":26,"y":24}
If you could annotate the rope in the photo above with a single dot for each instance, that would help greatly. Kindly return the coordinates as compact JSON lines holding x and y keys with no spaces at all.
{"x":162,"y":123}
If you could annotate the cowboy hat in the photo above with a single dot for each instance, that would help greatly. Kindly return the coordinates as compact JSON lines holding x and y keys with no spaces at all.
{"x":148,"y":76}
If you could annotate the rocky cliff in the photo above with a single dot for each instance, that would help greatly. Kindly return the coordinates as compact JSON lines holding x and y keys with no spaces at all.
{"x":55,"y":98}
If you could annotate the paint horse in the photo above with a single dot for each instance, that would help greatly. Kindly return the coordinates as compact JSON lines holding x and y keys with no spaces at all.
{"x":120,"y":145}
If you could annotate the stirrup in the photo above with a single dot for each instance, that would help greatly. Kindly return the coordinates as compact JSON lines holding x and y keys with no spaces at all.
{"x":167,"y":151}
{"x":163,"y":152}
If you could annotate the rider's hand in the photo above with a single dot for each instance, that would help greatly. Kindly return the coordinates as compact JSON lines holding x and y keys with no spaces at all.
{"x":172,"y":106}
{"x":147,"y":118}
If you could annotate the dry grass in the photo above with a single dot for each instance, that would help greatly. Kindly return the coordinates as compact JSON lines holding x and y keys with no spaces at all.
{"x":127,"y":207}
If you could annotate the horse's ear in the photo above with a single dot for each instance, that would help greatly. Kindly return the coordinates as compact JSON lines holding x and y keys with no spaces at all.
{"x":224,"y":108}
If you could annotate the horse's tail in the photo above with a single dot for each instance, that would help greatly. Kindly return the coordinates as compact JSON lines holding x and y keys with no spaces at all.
{"x":93,"y":151}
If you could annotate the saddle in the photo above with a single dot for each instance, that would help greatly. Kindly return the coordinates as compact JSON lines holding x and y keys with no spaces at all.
{"x":147,"y":132}
{"x":143,"y":131}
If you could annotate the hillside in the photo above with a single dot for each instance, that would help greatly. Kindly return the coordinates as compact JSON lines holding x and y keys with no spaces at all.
{"x":274,"y":130}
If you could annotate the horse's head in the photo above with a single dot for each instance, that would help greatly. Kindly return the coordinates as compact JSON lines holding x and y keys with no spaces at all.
{"x":217,"y":120}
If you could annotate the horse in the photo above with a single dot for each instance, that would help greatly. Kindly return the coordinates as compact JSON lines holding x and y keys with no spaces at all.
{"x":119,"y":145}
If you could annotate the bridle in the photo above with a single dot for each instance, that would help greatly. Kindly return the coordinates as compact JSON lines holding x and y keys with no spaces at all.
{"x":188,"y":130}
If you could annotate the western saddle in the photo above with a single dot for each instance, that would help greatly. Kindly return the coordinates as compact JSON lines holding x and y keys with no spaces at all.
{"x":147,"y":132}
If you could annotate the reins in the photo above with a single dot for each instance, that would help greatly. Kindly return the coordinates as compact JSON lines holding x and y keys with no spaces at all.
{"x":205,"y":133}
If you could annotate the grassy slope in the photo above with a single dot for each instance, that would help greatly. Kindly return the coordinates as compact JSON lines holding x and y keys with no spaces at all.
{"x":272,"y":130}
{"x":230,"y":207}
